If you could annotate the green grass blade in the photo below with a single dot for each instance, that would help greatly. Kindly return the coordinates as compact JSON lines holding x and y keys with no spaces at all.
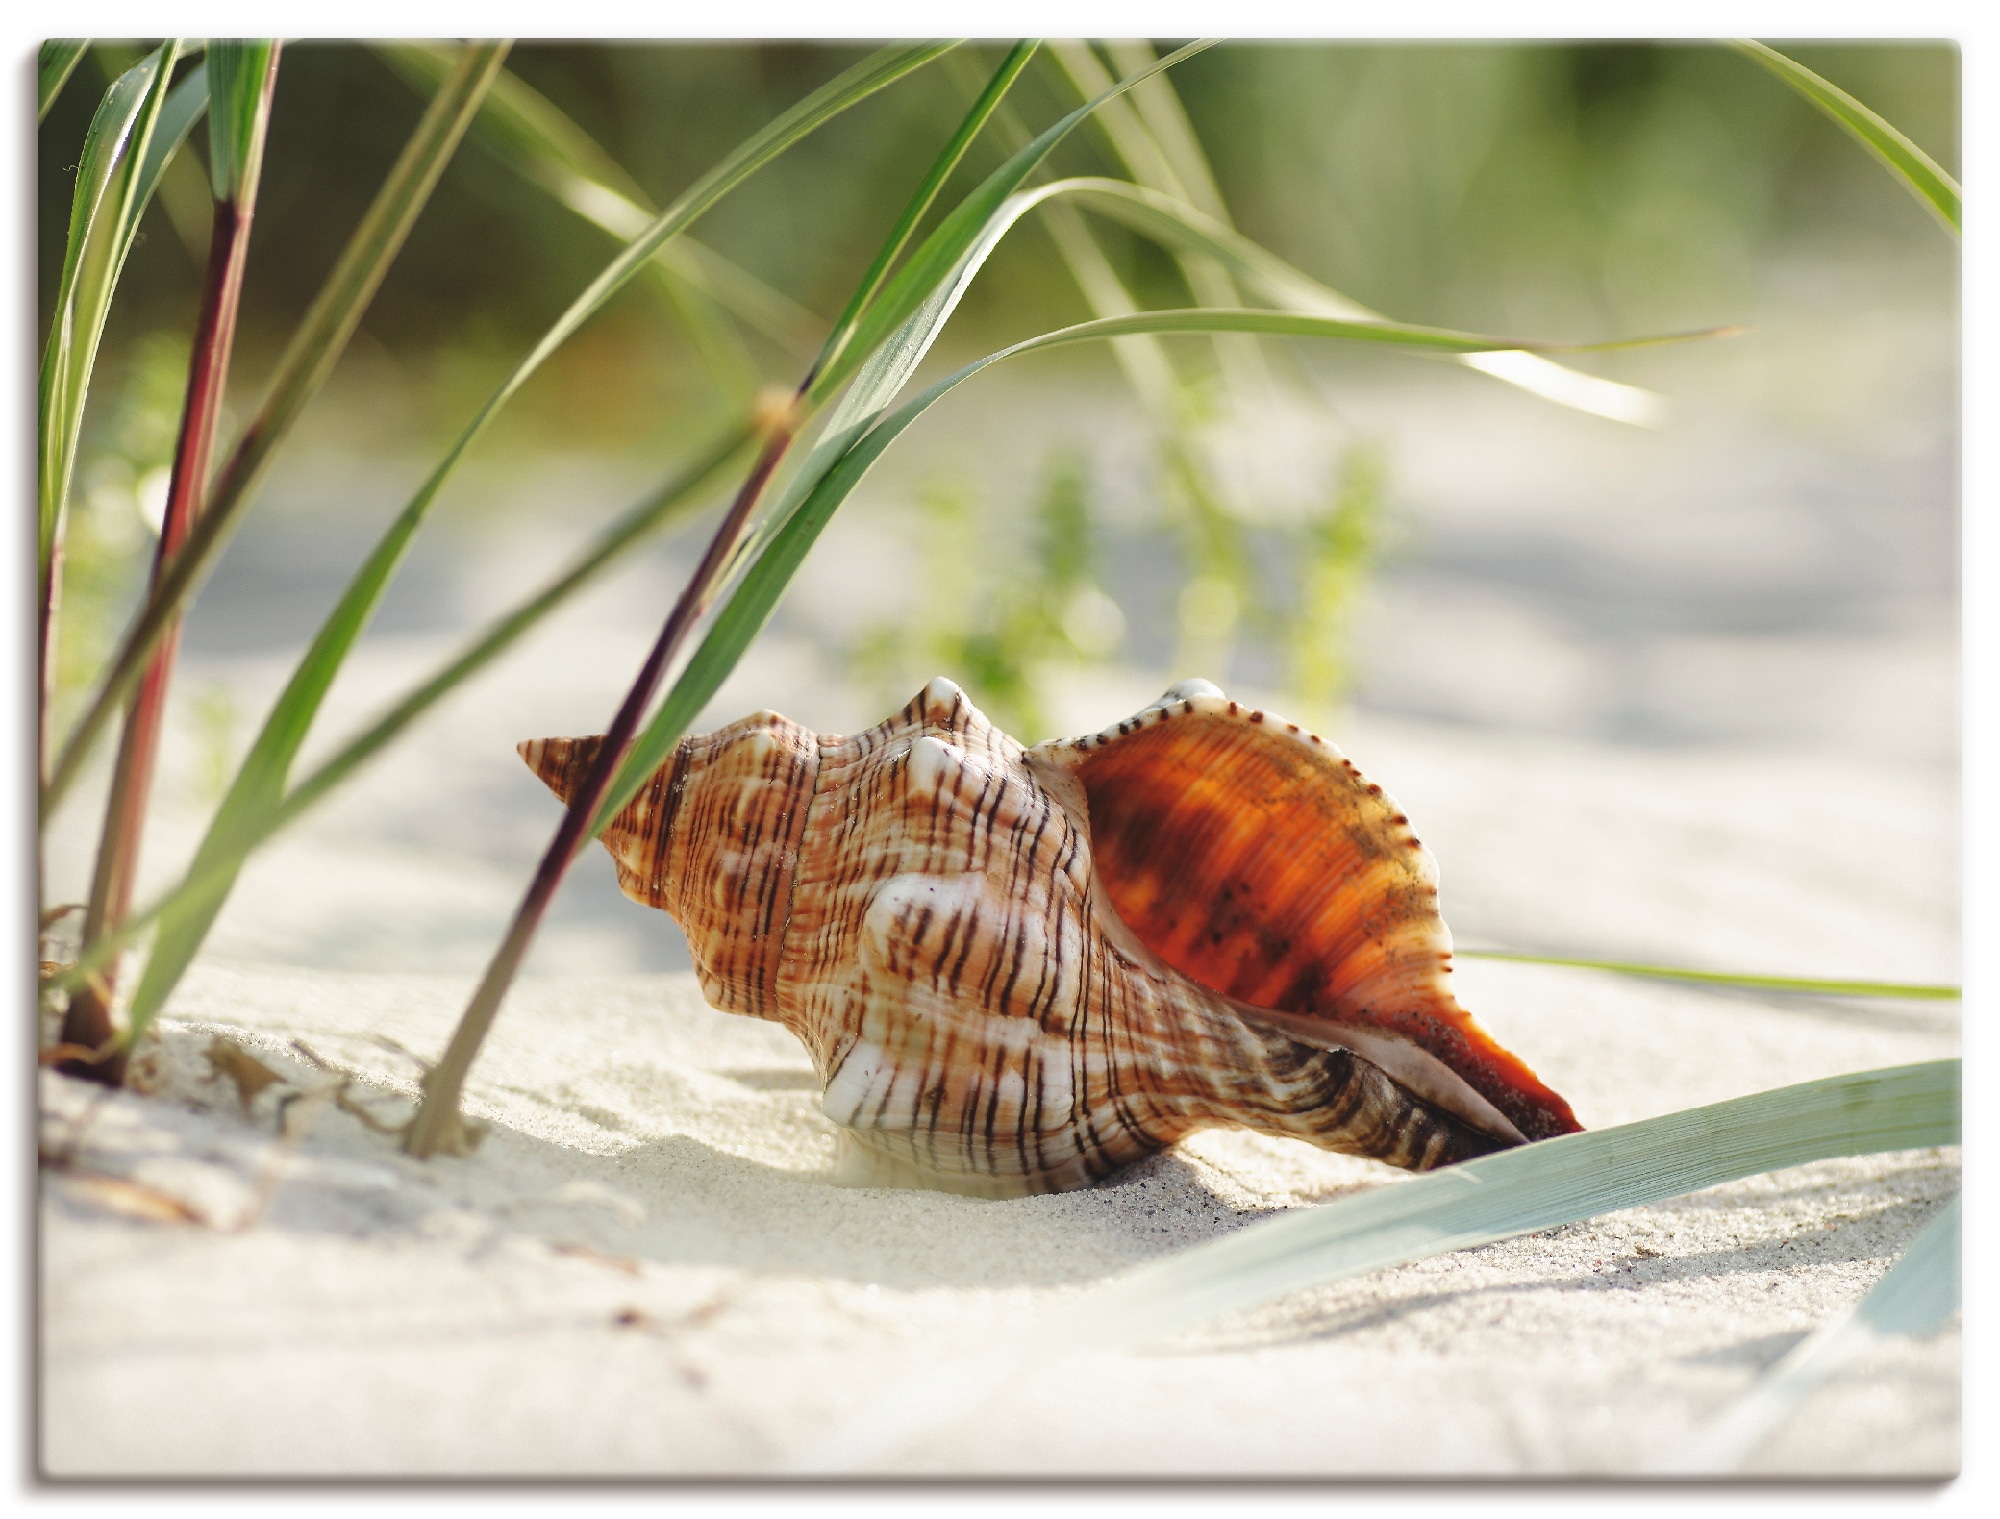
{"x":103,"y":214}
{"x":670,"y":502}
{"x":1914,"y":1297}
{"x":1538,"y":1186}
{"x":526,"y":131}
{"x":895,"y":332}
{"x":260,"y":782}
{"x":846,"y":325}
{"x":57,"y":61}
{"x":1179,"y":226}
{"x":305,"y":365}
{"x":237,"y":74}
{"x":1182,"y":173}
{"x":1915,"y":169}
{"x":741,"y":618}
{"x":954,"y":239}
{"x":1908,"y":990}
{"x":824,"y":489}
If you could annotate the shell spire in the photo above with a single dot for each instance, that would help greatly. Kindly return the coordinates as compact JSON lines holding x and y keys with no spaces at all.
{"x":1018,"y":970}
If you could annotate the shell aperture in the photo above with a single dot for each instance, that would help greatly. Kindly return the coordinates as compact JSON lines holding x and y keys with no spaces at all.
{"x":1019,"y":970}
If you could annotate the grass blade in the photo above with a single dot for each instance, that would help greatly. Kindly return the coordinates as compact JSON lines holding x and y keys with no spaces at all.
{"x":1909,"y":990}
{"x":1914,"y":1297}
{"x":785,"y":549}
{"x":57,"y":61}
{"x":1183,"y":174}
{"x":260,"y":783}
{"x":1915,"y":169}
{"x":1178,"y":225}
{"x":307,"y":361}
{"x":670,"y":502}
{"x":969,"y":225}
{"x":136,"y":128}
{"x":969,"y":127}
{"x":240,"y":105}
{"x":103,"y":212}
{"x":526,"y":131}
{"x":1539,"y":1186}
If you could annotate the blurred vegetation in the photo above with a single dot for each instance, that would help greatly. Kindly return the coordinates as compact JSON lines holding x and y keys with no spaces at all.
{"x":1561,"y":189}
{"x":1482,"y":185}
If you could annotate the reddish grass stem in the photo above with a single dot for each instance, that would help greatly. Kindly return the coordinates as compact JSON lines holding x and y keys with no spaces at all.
{"x":88,"y":1022}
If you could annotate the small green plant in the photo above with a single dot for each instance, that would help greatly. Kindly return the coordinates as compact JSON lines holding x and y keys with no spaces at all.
{"x":999,"y":623}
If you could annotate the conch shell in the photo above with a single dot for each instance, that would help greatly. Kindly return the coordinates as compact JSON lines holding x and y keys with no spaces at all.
{"x":1020,"y":970}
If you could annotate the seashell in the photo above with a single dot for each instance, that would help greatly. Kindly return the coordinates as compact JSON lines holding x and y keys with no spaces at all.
{"x":1020,"y":970}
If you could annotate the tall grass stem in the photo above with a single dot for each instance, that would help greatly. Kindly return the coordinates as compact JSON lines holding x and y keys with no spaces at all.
{"x":243,"y":77}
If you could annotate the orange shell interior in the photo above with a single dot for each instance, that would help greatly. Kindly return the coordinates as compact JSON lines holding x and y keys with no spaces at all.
{"x":1262,"y":864}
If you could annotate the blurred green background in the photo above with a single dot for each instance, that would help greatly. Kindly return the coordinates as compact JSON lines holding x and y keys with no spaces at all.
{"x":1377,"y":539}
{"x":1564,"y":190}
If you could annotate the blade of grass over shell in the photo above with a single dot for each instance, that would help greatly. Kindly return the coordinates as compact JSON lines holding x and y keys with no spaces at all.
{"x":438,"y":1124}
{"x":825,"y":485}
{"x":57,"y":60}
{"x":242,"y":77}
{"x":673,"y":500}
{"x":954,"y":238}
{"x":785,"y":548}
{"x":308,"y":360}
{"x":1909,"y":990}
{"x":1914,"y":1297}
{"x":1182,"y":173}
{"x":1539,"y":1186}
{"x":259,"y":784}
{"x":1913,"y":168}
{"x":847,"y":324}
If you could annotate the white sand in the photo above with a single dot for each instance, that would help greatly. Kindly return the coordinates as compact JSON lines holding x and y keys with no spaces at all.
{"x":644,"y":1271}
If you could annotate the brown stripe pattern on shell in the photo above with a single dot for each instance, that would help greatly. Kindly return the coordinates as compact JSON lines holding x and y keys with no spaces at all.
{"x":1021,"y":970}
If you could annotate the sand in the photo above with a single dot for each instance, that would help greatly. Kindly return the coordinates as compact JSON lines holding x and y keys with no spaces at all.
{"x":646,"y":1271}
